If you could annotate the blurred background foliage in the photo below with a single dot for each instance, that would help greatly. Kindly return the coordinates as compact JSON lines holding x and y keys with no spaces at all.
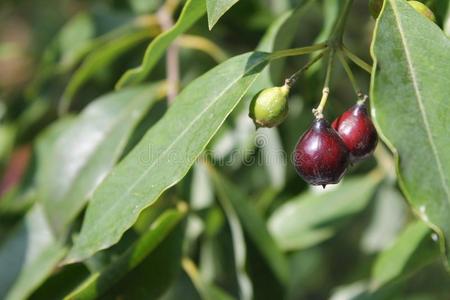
{"x":253,"y":228}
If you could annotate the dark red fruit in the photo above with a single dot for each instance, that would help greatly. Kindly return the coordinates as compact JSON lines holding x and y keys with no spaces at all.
{"x":320,"y":156}
{"x":357,"y":131}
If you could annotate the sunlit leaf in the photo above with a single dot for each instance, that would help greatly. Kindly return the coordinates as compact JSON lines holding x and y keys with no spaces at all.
{"x":166,"y":152}
{"x":305,"y":220}
{"x":192,"y":11}
{"x":216,"y":9}
{"x":410,"y":88}
{"x":412,"y":250}
{"x":83,"y":155}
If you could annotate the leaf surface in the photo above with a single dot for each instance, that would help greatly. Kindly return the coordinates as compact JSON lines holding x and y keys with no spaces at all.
{"x":99,"y":282}
{"x":410,"y":104}
{"x":412,"y":250}
{"x":30,"y":254}
{"x":216,"y":9}
{"x":166,"y":153}
{"x":82,"y":155}
{"x":192,"y":11}
{"x":305,"y":220}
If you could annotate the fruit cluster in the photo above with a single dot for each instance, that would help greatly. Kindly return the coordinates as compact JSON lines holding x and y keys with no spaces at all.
{"x":324,"y":152}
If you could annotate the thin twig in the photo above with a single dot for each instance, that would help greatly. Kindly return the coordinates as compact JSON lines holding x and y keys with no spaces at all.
{"x":358,"y":61}
{"x":293,"y":78}
{"x":350,"y":75}
{"x":318,"y":112}
{"x":172,"y":58}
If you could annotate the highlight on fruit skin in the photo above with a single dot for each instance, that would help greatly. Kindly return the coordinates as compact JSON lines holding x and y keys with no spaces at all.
{"x":423,"y":10}
{"x":269,"y":108}
{"x":357,"y":131}
{"x":320,"y":156}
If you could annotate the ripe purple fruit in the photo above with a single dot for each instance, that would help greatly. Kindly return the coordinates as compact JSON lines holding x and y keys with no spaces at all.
{"x":320,"y":156}
{"x":357,"y":132}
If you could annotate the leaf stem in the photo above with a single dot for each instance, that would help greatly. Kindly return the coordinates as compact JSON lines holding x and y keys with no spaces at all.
{"x":350,"y":75}
{"x":318,"y":112}
{"x":297,"y":51}
{"x":293,"y":78}
{"x":356,"y":60}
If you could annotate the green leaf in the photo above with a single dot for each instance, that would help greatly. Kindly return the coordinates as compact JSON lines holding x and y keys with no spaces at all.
{"x":166,"y":152}
{"x":253,"y":224}
{"x":305,"y":220}
{"x":412,"y":250}
{"x":99,"y":282}
{"x":30,"y":254}
{"x":216,"y":9}
{"x":410,"y":91}
{"x":98,"y":60}
{"x":75,"y":37}
{"x":192,"y":11}
{"x":153,"y":276}
{"x":96,"y":140}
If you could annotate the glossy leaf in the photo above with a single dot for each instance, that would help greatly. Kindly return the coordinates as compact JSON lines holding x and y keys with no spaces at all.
{"x":253,"y":224}
{"x":305,"y":220}
{"x":410,"y":103}
{"x":99,"y":282}
{"x":192,"y":11}
{"x":30,"y":254}
{"x":216,"y":9}
{"x":96,"y":140}
{"x":412,"y":250}
{"x":166,"y":152}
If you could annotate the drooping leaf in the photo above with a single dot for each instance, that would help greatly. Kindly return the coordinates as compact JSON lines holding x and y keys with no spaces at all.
{"x":412,"y":250}
{"x":216,"y":9}
{"x":410,"y":88}
{"x":166,"y":152}
{"x":98,"y":283}
{"x":30,"y":253}
{"x":98,"y":60}
{"x":305,"y":220}
{"x":253,"y":224}
{"x":192,"y":11}
{"x":83,"y":155}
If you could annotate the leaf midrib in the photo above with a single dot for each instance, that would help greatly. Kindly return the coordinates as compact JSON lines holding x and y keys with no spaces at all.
{"x":419,"y":99}
{"x":113,"y":206}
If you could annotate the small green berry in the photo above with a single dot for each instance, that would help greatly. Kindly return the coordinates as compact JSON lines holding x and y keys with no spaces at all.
{"x":270,"y":106}
{"x":423,"y":10}
{"x":375,"y":7}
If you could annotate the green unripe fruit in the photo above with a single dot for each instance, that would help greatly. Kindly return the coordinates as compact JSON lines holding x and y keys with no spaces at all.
{"x":375,"y":7}
{"x":423,"y":10}
{"x":270,"y":106}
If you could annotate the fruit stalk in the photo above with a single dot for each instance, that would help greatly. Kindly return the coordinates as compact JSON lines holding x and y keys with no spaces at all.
{"x":318,"y":112}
